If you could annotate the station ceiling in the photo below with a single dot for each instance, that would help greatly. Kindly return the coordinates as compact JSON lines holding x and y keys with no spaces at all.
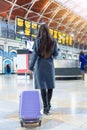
{"x":68,"y":16}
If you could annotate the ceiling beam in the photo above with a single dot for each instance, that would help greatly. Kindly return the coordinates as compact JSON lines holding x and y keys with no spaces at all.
{"x":33,"y":2}
{"x":11,"y":10}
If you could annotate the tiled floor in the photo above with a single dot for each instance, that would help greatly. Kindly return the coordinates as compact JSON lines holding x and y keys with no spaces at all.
{"x":69,"y":104}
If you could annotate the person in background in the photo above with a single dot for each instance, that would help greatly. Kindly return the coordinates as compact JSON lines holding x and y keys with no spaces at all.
{"x":44,"y":50}
{"x":8,"y":68}
{"x":82,"y":63}
{"x":85,"y":66}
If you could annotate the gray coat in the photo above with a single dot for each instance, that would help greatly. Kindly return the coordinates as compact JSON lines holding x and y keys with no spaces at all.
{"x":43,"y":68}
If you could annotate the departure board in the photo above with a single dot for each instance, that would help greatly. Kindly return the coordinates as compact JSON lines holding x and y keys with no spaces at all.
{"x":34,"y":29}
{"x":67,"y":39}
{"x":59,"y":37}
{"x":19,"y":26}
{"x":55,"y":34}
{"x":23,"y":27}
{"x":70,"y":40}
{"x":27,"y":28}
{"x":63,"y":35}
{"x":38,"y":26}
{"x":51,"y":31}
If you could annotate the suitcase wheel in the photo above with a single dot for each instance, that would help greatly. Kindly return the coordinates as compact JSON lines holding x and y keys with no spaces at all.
{"x":40,"y":123}
{"x":21,"y":122}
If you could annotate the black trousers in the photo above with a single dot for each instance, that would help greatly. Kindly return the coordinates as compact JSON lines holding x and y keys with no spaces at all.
{"x":46,"y":97}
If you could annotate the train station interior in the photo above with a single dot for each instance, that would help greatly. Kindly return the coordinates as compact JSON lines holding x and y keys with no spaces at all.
{"x":20,"y":21}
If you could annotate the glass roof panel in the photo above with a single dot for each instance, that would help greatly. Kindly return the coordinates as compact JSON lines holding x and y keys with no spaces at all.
{"x":77,"y":6}
{"x":69,"y":4}
{"x":62,"y":1}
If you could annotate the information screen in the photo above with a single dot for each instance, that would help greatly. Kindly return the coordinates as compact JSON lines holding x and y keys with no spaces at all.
{"x":70,"y":40}
{"x":51,"y":31}
{"x":19,"y":26}
{"x":59,"y":37}
{"x":63,"y":38}
{"x":34,"y":30}
{"x":27,"y":28}
{"x":67,"y":39}
{"x":23,"y":27}
{"x":55,"y":34}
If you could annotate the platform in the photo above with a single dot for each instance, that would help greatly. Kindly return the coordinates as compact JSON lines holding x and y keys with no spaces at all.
{"x":69,"y":104}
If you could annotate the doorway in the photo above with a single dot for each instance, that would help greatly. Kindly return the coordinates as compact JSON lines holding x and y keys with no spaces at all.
{"x":7,"y":66}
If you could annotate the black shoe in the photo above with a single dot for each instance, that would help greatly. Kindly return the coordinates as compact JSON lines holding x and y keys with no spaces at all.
{"x":49,"y":106}
{"x":46,"y":111}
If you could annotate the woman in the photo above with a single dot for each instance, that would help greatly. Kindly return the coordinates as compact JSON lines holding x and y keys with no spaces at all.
{"x":45,"y":48}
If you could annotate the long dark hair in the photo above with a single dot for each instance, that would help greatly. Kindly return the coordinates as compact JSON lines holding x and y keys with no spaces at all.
{"x":45,"y":45}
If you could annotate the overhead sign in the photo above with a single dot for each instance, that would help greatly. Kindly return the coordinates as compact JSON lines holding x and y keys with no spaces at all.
{"x":27,"y":28}
{"x":34,"y":29}
{"x":23,"y":27}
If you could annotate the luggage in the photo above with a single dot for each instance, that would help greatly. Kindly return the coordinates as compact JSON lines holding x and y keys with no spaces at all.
{"x":30,"y":107}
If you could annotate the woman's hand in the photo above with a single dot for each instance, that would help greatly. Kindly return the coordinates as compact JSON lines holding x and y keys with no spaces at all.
{"x":30,"y":71}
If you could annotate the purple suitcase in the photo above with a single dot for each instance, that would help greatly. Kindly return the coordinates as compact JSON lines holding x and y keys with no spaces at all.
{"x":30,"y":107}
